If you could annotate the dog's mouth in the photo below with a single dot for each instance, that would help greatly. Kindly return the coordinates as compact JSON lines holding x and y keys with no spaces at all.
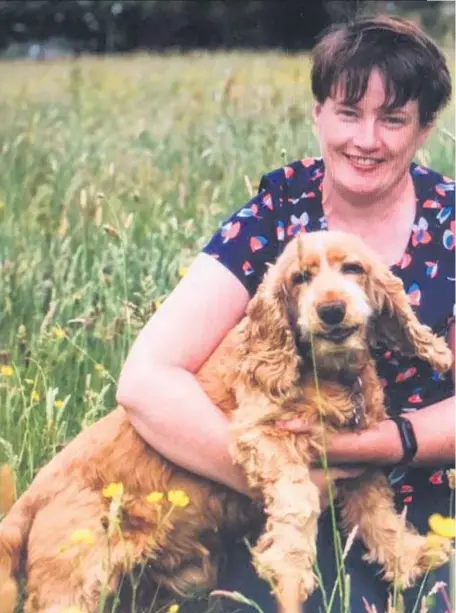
{"x":337,"y":334}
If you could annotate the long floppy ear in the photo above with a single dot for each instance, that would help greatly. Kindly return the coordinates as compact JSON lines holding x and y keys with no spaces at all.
{"x":269,"y":357}
{"x":397,"y":326}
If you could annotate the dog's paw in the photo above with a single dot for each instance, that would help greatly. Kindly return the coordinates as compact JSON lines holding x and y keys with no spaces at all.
{"x":418,"y":555}
{"x":288,"y":569}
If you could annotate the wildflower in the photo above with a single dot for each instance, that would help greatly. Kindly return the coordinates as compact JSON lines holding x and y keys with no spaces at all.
{"x":58,"y":333}
{"x":59,"y":404}
{"x":113,"y":490}
{"x":178,"y":498}
{"x":6,"y":370}
{"x":154,"y":497}
{"x":83,"y":536}
{"x":100,"y":369}
{"x":174,"y":608}
{"x":183,"y":271}
{"x":443,"y":526}
{"x":35,"y":396}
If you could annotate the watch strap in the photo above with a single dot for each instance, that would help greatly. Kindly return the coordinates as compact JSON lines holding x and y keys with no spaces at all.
{"x":408,"y":439}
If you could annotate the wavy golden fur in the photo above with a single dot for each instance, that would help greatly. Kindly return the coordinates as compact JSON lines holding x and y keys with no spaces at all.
{"x":303,"y":348}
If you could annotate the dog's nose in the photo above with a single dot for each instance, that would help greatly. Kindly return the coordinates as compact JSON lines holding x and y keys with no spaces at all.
{"x":332,"y":313}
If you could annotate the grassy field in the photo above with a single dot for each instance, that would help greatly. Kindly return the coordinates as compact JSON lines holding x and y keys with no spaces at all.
{"x":114,"y":171}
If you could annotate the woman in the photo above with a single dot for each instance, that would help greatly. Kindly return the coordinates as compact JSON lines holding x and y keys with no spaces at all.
{"x":379,"y":84}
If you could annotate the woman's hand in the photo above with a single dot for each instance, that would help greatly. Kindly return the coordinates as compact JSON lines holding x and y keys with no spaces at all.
{"x":325,"y":479}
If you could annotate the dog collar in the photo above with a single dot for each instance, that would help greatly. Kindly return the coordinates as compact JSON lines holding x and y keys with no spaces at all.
{"x":358,"y":419}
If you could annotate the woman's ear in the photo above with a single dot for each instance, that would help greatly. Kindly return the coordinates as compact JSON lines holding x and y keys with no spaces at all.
{"x":425,"y":132}
{"x":316,"y":110}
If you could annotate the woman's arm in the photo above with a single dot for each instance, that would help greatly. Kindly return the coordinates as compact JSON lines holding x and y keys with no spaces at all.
{"x":434,"y":426}
{"x":163,"y":400}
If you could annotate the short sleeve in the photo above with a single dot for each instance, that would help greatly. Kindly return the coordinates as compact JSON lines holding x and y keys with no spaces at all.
{"x":248,"y":240}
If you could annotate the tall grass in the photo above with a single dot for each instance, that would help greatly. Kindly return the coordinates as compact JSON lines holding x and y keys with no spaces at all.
{"x":114,"y":171}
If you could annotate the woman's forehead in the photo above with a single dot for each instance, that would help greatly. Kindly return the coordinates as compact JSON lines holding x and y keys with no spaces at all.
{"x":377,"y":91}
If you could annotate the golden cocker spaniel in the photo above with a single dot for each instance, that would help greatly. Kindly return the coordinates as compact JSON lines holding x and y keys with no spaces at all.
{"x":302,"y":349}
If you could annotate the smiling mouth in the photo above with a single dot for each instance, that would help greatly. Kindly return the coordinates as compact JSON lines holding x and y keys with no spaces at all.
{"x":337,"y":334}
{"x":363,"y":161}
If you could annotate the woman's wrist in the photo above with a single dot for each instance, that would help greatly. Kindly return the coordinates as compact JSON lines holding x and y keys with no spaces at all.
{"x":381,"y":444}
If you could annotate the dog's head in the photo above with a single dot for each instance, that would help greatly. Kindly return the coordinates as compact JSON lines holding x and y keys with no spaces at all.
{"x":329,"y":296}
{"x":323,"y":278}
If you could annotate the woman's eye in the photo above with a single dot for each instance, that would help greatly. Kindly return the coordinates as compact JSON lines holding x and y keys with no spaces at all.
{"x":347,"y":113}
{"x":301,"y":277}
{"x":394,"y":121}
{"x":352,"y":268}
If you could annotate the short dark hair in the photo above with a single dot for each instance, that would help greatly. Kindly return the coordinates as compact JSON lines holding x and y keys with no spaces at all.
{"x":412,"y":65}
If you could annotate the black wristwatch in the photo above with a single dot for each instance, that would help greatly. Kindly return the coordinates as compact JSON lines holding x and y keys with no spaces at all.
{"x":408,"y":439}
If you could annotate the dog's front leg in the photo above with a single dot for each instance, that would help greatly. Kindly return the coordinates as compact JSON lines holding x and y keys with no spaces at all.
{"x":285,"y":553}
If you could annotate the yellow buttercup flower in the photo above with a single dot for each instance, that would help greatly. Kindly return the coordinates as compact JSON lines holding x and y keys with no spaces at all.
{"x":113,"y":490}
{"x":183,"y":271}
{"x":174,"y":608}
{"x":59,"y":404}
{"x":99,"y":368}
{"x":6,"y":370}
{"x":58,"y":333}
{"x":178,"y":498}
{"x":83,"y":536}
{"x":154,"y":497}
{"x":443,"y":526}
{"x":35,"y":396}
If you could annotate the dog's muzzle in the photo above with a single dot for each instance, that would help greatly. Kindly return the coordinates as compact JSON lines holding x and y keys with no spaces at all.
{"x":337,"y":334}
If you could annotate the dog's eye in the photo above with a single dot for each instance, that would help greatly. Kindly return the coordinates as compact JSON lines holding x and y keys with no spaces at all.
{"x":352,"y":268}
{"x":302,"y":276}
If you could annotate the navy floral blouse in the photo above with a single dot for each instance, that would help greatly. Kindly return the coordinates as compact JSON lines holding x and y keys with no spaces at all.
{"x":289,"y":201}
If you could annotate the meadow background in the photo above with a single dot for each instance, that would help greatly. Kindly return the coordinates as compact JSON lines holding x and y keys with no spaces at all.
{"x":114,"y":171}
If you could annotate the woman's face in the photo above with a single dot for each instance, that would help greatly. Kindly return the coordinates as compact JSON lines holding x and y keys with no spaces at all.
{"x":367,"y":150}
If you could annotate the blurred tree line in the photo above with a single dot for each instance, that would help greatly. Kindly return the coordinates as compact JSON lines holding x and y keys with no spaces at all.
{"x":124,"y":25}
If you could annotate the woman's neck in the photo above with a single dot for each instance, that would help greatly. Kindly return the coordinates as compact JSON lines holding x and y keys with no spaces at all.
{"x":384,"y":224}
{"x":364,"y":213}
